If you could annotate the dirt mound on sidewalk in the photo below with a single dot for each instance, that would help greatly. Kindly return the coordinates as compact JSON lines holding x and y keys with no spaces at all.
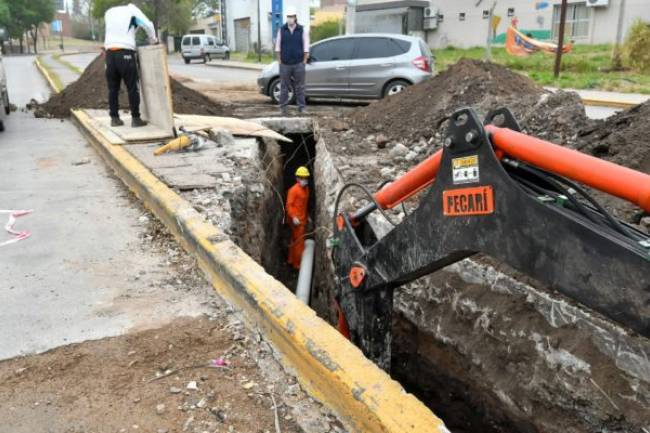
{"x":417,"y":111}
{"x":89,"y":91}
{"x":622,"y":138}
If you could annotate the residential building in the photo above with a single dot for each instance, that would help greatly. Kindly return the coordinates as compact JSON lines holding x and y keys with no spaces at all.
{"x":465,"y":23}
{"x":241,"y":23}
{"x":405,"y":16}
{"x":333,"y":4}
{"x":210,"y":25}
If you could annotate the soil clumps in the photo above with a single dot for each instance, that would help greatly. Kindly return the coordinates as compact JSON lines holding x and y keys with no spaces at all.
{"x":89,"y":91}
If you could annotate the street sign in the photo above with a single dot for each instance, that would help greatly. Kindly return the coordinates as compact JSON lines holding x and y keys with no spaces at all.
{"x":56,"y":26}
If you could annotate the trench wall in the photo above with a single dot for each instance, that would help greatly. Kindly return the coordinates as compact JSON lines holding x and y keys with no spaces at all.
{"x":521,"y":358}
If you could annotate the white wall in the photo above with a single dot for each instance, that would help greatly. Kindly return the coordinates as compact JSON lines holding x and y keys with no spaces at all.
{"x":237,"y":9}
{"x":473,"y":31}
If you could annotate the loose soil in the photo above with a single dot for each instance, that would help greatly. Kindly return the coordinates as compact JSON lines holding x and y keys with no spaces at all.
{"x":416,"y":119}
{"x":118,"y":384}
{"x":381,"y":142}
{"x":89,"y":91}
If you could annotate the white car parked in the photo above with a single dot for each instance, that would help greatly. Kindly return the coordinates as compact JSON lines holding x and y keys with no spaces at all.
{"x":203,"y":47}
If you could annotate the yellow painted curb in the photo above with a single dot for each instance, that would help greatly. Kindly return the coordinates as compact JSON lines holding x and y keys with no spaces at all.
{"x":46,"y":74}
{"x":607,"y":103}
{"x":330,"y":368}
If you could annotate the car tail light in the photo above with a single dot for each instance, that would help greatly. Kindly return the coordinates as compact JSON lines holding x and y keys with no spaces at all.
{"x":422,"y":63}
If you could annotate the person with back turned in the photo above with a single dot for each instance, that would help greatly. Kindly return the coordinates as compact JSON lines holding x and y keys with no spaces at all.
{"x":122,"y":22}
{"x":297,"y":215}
{"x":292,"y":44}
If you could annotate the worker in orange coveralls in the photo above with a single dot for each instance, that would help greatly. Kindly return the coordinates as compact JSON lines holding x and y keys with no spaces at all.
{"x":297,"y":200}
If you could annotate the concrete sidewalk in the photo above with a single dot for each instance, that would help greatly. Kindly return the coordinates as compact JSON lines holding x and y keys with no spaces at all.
{"x":65,"y":74}
{"x":602,"y":98}
{"x":85,"y":272}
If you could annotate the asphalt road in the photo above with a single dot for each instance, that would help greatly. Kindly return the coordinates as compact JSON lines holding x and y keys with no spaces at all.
{"x":84,"y":273}
{"x":195,"y":70}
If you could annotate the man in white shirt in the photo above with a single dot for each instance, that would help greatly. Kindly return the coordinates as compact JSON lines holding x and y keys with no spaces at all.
{"x":292,"y":46}
{"x":122,"y":22}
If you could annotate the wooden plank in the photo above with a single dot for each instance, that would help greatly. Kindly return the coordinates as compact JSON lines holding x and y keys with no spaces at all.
{"x":236,"y":126}
{"x":128,"y":134}
{"x":155,"y":87}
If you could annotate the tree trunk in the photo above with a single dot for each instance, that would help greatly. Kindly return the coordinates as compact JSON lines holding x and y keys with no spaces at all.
{"x":35,"y":38}
{"x":21,"y":44}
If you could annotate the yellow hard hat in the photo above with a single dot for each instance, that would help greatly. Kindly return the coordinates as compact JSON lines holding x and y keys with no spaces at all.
{"x":302,"y":172}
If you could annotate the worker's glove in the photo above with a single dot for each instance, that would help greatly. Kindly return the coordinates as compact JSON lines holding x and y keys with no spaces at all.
{"x":296,"y":221}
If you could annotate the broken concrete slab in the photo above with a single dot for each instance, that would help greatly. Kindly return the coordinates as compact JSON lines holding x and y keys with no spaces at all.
{"x":235,"y":126}
{"x":287,"y":125}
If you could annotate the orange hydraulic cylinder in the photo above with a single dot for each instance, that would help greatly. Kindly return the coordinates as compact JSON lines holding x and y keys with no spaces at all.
{"x":413,"y":181}
{"x":605,"y":176}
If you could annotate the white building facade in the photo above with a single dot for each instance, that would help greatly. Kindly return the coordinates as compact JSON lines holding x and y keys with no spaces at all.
{"x":465,"y":23}
{"x":240,"y":17}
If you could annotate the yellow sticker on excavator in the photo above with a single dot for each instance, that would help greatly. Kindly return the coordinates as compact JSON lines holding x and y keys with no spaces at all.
{"x":465,"y":169}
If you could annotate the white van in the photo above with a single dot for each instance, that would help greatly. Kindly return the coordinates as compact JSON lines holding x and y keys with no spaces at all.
{"x":4,"y":96}
{"x":204,"y":47}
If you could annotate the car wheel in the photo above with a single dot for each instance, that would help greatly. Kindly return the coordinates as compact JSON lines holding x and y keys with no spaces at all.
{"x":274,"y":91}
{"x":395,"y":87}
{"x":2,"y":126}
{"x":207,"y":56}
{"x":226,"y":55}
{"x":7,"y":109}
{"x":205,"y":59}
{"x":187,"y":61}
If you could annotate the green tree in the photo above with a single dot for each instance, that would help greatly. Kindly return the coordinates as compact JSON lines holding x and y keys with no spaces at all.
{"x":326,"y":30}
{"x":5,"y":16}
{"x":166,"y":15}
{"x":16,"y":26}
{"x":636,"y":50}
{"x":38,"y":12}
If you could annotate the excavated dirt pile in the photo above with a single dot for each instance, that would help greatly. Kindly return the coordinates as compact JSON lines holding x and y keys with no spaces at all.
{"x":89,"y":91}
{"x":487,"y":351}
{"x":622,"y":138}
{"x":417,"y":112}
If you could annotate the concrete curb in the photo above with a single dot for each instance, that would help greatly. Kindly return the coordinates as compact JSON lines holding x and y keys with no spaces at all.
{"x":46,"y":74}
{"x":607,"y":103}
{"x":329,"y":367}
{"x":236,"y":65}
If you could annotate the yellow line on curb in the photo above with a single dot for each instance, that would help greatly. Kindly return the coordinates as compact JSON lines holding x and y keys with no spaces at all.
{"x":329,"y":367}
{"x":46,"y":74}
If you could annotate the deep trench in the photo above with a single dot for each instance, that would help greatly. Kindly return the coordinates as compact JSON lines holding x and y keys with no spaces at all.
{"x":282,"y":161}
{"x":443,"y":392}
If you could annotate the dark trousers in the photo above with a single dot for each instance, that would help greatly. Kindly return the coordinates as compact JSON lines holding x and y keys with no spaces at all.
{"x":292,"y":76}
{"x":121,"y":65}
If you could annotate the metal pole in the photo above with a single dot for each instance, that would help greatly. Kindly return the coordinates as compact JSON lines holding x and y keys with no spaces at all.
{"x":259,"y":34}
{"x":488,"y":46}
{"x":560,"y":42}
{"x":616,"y":55}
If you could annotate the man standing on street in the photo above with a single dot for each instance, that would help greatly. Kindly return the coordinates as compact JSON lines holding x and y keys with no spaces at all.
{"x":292,"y":45}
{"x":121,"y":24}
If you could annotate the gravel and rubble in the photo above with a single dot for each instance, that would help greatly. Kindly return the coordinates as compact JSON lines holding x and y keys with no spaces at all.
{"x":488,"y":349}
{"x":209,"y":373}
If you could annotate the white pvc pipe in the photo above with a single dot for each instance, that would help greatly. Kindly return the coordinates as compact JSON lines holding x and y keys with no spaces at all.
{"x":306,"y":268}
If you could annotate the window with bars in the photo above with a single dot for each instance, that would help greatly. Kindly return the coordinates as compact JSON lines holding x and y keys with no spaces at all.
{"x":577,"y":21}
